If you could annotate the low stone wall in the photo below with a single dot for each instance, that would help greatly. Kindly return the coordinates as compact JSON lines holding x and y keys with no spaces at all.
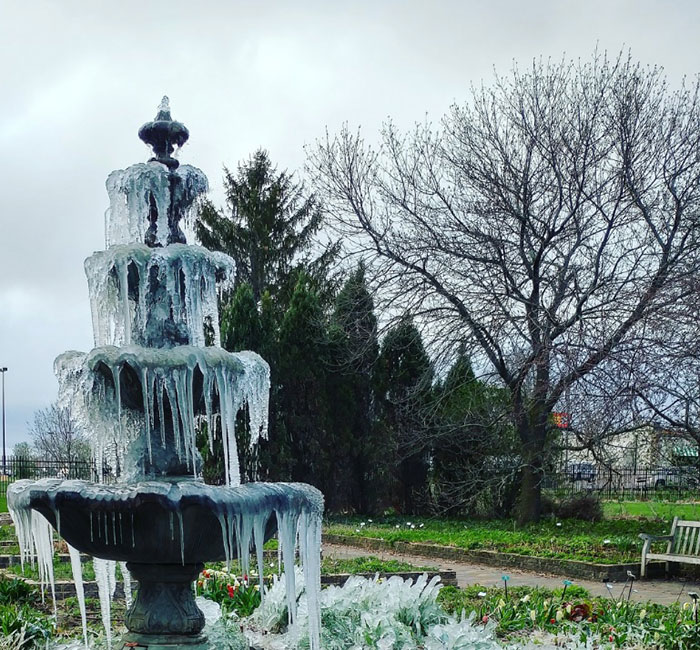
{"x":446,"y":577}
{"x":556,"y":566}
{"x":66,"y":588}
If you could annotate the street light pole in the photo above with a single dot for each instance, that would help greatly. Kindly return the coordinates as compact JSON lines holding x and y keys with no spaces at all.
{"x":4,"y":459}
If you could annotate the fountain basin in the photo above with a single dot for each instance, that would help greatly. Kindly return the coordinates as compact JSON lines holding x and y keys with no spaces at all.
{"x":162,"y":522}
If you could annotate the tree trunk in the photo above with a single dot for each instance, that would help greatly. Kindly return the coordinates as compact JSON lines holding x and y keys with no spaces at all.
{"x":530,"y":501}
{"x":533,"y":450}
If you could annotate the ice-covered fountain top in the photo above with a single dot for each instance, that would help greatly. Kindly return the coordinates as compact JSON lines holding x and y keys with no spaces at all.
{"x":163,"y":135}
{"x":148,"y":200}
{"x":156,"y":378}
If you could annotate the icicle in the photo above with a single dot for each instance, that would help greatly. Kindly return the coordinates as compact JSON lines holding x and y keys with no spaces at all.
{"x":171,"y":394}
{"x":286,"y":532}
{"x":259,"y":523}
{"x":309,"y":545}
{"x":145,"y":393}
{"x":123,"y":269}
{"x":104,"y":589}
{"x":126,"y":579}
{"x":223,"y":522}
{"x":77,"y":568}
{"x":161,"y":410}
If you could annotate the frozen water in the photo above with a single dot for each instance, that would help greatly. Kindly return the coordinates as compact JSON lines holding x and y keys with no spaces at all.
{"x":133,"y":190}
{"x":91,"y":385}
{"x":157,"y":374}
{"x":105,"y":576}
{"x":77,"y":569}
{"x":136,"y":292}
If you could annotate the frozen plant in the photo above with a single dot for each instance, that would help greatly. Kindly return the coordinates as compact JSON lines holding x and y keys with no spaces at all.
{"x":461,"y":635}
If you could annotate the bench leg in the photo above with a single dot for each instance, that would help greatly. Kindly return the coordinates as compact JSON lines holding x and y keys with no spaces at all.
{"x":643,"y":568}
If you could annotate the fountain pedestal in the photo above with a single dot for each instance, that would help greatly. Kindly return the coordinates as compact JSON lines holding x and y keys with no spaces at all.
{"x":164,"y":603}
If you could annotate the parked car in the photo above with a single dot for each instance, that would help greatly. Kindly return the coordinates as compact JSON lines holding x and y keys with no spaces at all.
{"x":675,"y":477}
{"x":581,"y":472}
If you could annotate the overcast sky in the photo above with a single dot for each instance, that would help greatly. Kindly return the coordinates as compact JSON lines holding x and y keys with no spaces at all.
{"x":78,"y":79}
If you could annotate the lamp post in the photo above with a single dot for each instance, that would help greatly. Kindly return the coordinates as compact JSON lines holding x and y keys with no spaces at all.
{"x":4,"y":459}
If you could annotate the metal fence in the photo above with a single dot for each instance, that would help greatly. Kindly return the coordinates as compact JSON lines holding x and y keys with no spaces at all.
{"x":30,"y":468}
{"x":625,"y":483}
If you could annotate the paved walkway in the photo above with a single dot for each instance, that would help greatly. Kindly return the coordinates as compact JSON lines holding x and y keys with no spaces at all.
{"x":658,"y":591}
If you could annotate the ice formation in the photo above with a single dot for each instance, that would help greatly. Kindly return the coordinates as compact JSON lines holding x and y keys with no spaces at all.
{"x":135,"y":290}
{"x":136,"y":191}
{"x":157,"y":377}
{"x":77,"y":569}
{"x":186,"y":385}
{"x":243,"y":513}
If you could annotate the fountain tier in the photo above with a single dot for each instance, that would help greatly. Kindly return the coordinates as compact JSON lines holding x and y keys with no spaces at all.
{"x":156,"y":296}
{"x":141,"y":405}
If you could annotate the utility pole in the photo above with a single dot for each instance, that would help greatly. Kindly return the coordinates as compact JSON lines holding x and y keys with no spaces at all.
{"x":4,"y":457}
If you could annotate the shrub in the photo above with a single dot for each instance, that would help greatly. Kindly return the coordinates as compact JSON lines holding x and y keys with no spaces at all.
{"x":586,"y":507}
{"x":15,"y":591}
{"x":30,"y":627}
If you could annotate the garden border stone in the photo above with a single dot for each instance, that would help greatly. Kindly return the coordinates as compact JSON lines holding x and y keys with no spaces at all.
{"x":556,"y":566}
{"x":339,"y":579}
{"x":66,"y":588}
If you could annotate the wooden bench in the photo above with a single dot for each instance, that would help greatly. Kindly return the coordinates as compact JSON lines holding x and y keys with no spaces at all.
{"x":683,"y":545}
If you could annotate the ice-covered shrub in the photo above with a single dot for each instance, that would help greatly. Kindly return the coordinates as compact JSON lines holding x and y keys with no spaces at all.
{"x":461,"y":635}
{"x":375,"y":614}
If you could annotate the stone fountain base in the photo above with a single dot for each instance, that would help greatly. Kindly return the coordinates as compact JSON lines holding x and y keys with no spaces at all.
{"x":165,"y":604}
{"x":131,"y":641}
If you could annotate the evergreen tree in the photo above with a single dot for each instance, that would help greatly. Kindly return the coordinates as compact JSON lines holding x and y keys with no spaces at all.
{"x":303,"y":409}
{"x":404,"y":382}
{"x":360,"y":464}
{"x":472,"y":445}
{"x":268,"y":228}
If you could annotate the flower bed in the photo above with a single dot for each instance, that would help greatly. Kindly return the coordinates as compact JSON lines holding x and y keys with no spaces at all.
{"x":603,"y":542}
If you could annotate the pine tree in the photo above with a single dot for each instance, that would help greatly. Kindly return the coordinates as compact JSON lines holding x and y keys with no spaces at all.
{"x":470,"y":444}
{"x":404,"y":383}
{"x":354,"y":352}
{"x":303,"y":408}
{"x":268,"y":228}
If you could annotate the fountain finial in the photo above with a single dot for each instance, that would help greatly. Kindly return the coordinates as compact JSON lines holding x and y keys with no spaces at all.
{"x":163,"y":134}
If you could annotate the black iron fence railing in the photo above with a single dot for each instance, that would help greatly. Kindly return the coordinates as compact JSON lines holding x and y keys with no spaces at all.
{"x":626,"y":482}
{"x":31,"y":468}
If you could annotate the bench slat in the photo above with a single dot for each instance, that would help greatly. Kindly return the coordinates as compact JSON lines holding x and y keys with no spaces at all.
{"x":686,"y":536}
{"x":674,"y":557}
{"x":688,"y":524}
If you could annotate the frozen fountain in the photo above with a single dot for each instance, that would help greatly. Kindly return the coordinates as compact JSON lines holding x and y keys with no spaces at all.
{"x":157,"y":376}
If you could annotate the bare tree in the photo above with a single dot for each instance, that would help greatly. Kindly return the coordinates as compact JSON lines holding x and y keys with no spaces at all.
{"x":547,"y":222}
{"x":667,"y":380}
{"x":55,"y":435}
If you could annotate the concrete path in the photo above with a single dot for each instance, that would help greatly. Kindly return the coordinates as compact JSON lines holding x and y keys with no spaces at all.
{"x":658,"y":591}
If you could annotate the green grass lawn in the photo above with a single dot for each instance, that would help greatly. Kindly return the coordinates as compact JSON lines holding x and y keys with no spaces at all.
{"x":651,"y":510}
{"x":607,"y":542}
